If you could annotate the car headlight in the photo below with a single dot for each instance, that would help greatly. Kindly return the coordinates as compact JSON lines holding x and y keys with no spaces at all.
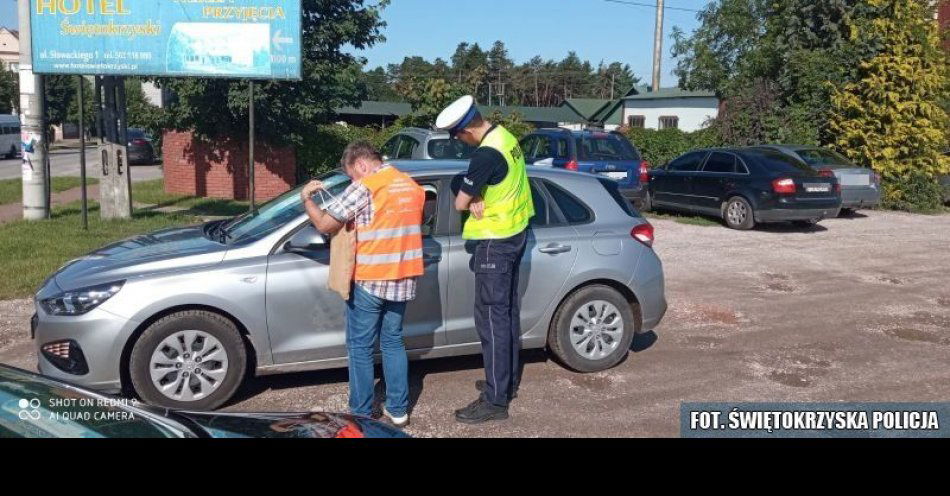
{"x":80,"y":301}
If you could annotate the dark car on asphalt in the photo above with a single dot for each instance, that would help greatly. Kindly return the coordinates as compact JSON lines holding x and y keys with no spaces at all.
{"x":607,"y":154}
{"x":140,"y":148}
{"x":36,"y":406}
{"x":744,"y":187}
{"x":860,"y":186}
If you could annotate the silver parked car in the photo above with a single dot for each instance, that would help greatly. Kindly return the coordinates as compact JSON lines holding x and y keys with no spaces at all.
{"x":860,"y":186}
{"x":180,"y":315}
{"x":415,"y":143}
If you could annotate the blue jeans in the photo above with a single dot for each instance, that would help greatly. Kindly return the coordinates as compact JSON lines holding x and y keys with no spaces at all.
{"x":369,"y":317}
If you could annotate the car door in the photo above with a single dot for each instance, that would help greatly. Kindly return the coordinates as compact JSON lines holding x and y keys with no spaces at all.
{"x":674,"y":187}
{"x":550,"y":253}
{"x":713,"y":181}
{"x":306,"y":320}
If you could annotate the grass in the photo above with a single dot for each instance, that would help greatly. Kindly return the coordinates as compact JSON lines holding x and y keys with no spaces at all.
{"x":153,"y":193}
{"x":693,"y":220}
{"x":30,"y":251}
{"x":11,"y":190}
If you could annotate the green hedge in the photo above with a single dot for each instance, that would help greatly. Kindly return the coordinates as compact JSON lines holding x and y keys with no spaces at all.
{"x":660,"y":146}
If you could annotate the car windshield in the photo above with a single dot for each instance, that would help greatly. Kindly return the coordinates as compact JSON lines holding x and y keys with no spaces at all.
{"x":449,"y":149}
{"x":281,"y":210}
{"x":824,"y":158}
{"x":605,"y":147}
{"x":32,"y":407}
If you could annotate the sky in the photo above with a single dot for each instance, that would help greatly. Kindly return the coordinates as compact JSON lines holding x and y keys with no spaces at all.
{"x":597,"y":30}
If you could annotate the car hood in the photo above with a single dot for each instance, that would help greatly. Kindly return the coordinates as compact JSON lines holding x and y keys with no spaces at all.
{"x":282,"y":425}
{"x":168,"y":250}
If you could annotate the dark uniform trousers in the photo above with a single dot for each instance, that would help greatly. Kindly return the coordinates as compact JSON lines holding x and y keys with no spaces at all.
{"x":498,"y":313}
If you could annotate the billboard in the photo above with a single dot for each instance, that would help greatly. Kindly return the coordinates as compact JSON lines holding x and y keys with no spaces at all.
{"x":257,"y":39}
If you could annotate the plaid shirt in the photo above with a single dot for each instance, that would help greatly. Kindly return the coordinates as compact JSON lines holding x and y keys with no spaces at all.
{"x":356,"y":204}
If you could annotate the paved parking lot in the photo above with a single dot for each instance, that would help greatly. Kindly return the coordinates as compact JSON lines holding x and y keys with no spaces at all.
{"x":857,"y":309}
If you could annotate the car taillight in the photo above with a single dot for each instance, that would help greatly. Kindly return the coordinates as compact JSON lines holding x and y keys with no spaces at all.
{"x":783,"y":186}
{"x":572,"y":165}
{"x":644,"y":172}
{"x":643,"y":233}
{"x":139,"y":141}
{"x":826,"y":173}
{"x":837,"y":187}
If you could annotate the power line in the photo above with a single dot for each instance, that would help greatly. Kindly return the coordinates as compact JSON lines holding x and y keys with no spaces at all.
{"x":652,"y":6}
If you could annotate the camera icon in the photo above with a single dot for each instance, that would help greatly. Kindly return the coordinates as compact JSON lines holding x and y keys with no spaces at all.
{"x":29,"y":409}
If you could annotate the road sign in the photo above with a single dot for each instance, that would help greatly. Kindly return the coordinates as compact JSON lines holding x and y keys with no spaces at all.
{"x":257,"y":39}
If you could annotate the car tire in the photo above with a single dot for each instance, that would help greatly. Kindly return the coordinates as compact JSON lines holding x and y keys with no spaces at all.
{"x":846,"y":212}
{"x":165,"y":342}
{"x":603,"y":349}
{"x":738,"y":214}
{"x":805,"y":223}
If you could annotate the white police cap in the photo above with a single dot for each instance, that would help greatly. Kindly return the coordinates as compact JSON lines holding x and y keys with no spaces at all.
{"x":457,"y":115}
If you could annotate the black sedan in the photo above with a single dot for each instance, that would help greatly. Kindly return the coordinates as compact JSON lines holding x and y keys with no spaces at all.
{"x":141,"y":150}
{"x":745,"y":186}
{"x":36,"y":406}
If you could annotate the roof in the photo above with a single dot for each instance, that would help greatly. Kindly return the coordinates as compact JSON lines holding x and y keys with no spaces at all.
{"x":369,"y":107}
{"x":14,"y":32}
{"x":644,"y":93}
{"x":587,"y":107}
{"x":533,"y":114}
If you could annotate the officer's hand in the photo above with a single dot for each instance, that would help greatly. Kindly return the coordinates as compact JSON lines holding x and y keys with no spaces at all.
{"x":311,"y":188}
{"x":477,"y":208}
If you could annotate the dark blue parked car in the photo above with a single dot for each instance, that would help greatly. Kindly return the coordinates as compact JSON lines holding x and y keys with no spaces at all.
{"x":608,"y":154}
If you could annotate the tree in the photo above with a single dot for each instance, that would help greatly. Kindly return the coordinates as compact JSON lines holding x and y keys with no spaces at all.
{"x":890,"y":117}
{"x":286,"y":110}
{"x":9,"y":92}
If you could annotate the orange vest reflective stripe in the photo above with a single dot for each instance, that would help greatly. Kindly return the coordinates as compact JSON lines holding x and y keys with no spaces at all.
{"x":390,"y":247}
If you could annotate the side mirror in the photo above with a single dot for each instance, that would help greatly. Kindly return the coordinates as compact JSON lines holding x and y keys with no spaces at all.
{"x":306,"y":240}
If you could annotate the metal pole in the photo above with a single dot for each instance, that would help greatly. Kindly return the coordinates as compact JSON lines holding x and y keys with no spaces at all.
{"x":658,"y":45}
{"x":82,"y":154}
{"x":33,"y":124}
{"x":250,"y":143}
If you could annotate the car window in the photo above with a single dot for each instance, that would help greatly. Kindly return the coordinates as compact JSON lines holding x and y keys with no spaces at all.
{"x":389,"y":149}
{"x":407,"y":146}
{"x":563,"y":151}
{"x":614,"y":190}
{"x":687,"y":163}
{"x":285,"y":208}
{"x":824,"y":158}
{"x":527,"y":146}
{"x":136,"y":133}
{"x":574,"y":211}
{"x":601,"y":146}
{"x":452,"y":149}
{"x":776,"y":161}
{"x":430,"y":209}
{"x":720,"y":162}
{"x":542,"y":216}
{"x":543,"y":148}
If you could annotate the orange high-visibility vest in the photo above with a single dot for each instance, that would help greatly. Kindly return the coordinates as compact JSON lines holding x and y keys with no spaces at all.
{"x":390,"y":247}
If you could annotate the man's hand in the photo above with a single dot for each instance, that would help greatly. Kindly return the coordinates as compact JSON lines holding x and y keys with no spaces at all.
{"x":311,"y":188}
{"x":477,"y":207}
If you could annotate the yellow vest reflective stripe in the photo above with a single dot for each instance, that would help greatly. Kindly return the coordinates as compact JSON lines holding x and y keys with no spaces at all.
{"x":508,"y":204}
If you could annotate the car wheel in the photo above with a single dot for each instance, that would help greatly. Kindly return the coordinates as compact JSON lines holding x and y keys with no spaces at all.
{"x":846,"y":212}
{"x":738,"y":214}
{"x":592,"y":329}
{"x":193,"y":360}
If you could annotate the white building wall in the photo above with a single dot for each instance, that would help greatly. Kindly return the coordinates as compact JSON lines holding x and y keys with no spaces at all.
{"x":153,"y":94}
{"x":693,"y":113}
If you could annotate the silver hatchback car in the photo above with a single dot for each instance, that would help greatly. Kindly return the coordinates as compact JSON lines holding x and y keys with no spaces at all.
{"x":416,"y":143}
{"x":181,"y":316}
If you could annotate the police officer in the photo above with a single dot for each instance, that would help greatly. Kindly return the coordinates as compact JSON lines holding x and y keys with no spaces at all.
{"x":496,"y":193}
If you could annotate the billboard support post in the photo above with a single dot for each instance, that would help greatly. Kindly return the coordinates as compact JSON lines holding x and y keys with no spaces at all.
{"x":82,"y":153}
{"x":250,"y":142}
{"x":33,"y":133}
{"x":114,"y":187}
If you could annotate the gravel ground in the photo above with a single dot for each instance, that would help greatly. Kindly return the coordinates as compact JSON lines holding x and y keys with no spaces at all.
{"x":856,"y":309}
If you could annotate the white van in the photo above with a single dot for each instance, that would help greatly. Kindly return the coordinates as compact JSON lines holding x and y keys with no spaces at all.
{"x":9,"y":136}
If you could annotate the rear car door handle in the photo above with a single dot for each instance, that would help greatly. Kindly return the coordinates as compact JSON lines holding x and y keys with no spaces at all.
{"x":555,"y":249}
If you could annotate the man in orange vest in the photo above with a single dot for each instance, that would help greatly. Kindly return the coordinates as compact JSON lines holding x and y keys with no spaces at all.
{"x":386,"y":207}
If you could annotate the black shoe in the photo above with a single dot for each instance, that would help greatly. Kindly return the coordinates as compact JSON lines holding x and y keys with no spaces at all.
{"x":470,"y":407}
{"x":481,"y":411}
{"x":481,"y":386}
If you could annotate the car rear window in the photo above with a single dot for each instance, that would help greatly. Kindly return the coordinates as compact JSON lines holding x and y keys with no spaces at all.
{"x":574,"y":211}
{"x":449,"y":149}
{"x":604,"y":146}
{"x":614,"y":190}
{"x":136,"y":133}
{"x":776,"y":161}
{"x":816,"y":157}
